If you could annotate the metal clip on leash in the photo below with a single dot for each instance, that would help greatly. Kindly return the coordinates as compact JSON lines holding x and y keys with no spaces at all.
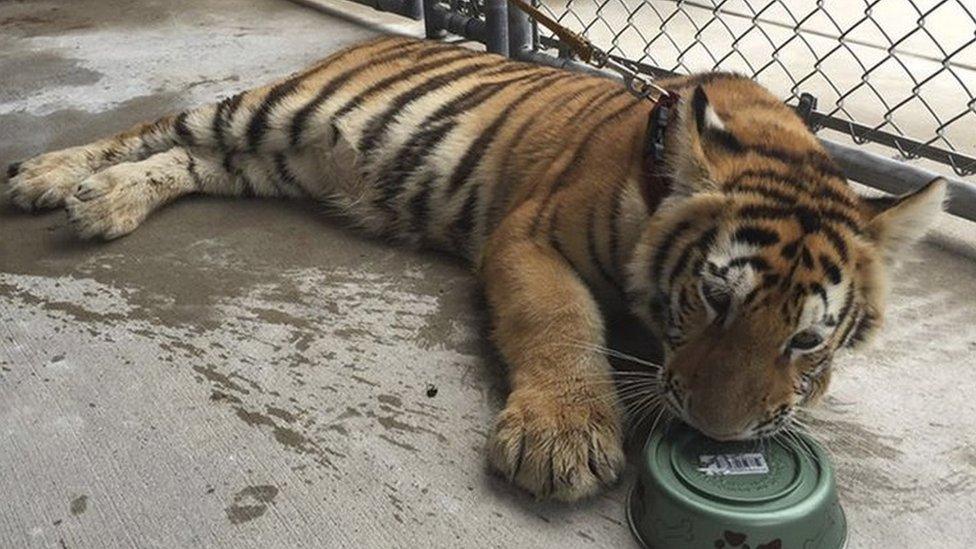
{"x":639,"y":85}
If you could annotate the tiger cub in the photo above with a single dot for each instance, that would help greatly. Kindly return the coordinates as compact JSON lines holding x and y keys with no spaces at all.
{"x":753,"y":265}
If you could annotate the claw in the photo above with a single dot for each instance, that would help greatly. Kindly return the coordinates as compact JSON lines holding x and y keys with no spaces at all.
{"x":13,"y":169}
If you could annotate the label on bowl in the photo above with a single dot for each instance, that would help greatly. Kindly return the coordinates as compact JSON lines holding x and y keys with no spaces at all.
{"x":733,"y":464}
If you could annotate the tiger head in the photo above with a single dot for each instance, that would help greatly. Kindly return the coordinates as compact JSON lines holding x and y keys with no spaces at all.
{"x":762,"y":263}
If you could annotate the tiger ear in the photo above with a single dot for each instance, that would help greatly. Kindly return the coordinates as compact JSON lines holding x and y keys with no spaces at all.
{"x":896,"y":223}
{"x":710,"y":126}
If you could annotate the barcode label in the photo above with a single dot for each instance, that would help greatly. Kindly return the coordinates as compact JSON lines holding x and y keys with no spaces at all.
{"x":733,"y":464}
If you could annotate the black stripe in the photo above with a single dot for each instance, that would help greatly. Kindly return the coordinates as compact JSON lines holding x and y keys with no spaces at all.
{"x":247,"y":188}
{"x":530,"y":120}
{"x":591,"y":249}
{"x":560,"y":181}
{"x":757,"y":263}
{"x":848,"y":303}
{"x":819,"y":290}
{"x":284,"y":175}
{"x":699,"y":245}
{"x":664,"y":249}
{"x":806,"y":257}
{"x":402,"y":76}
{"x":554,"y":234}
{"x":817,"y":160}
{"x":258,"y":125}
{"x":554,"y":241}
{"x":855,"y":320}
{"x":383,"y":55}
{"x":751,"y":295}
{"x":433,"y":129}
{"x":765,"y":192}
{"x":759,"y":211}
{"x":756,"y":236}
{"x":460,"y":229}
{"x":826,"y":192}
{"x":223,"y":117}
{"x":822,"y":190}
{"x":837,"y":216}
{"x":866,"y":322}
{"x":191,"y":167}
{"x":539,"y":116}
{"x":770,"y":279}
{"x":183,"y":131}
{"x":476,"y":150}
{"x":790,"y":249}
{"x":830,"y":269}
{"x":598,"y":101}
{"x":419,"y":206}
{"x":613,"y":226}
{"x":809,"y":219}
{"x":376,"y":127}
{"x":834,"y":237}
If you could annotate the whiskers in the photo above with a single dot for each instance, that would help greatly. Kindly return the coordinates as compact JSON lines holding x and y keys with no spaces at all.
{"x":794,"y":434}
{"x":614,"y":353}
{"x":640,"y":392}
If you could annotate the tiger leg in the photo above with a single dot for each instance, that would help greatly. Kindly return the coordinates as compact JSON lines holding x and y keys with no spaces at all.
{"x":560,"y":434}
{"x":46,"y":180}
{"x":114,"y":201}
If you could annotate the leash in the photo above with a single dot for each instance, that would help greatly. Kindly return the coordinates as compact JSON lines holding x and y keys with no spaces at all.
{"x":638,"y":84}
{"x":656,"y":184}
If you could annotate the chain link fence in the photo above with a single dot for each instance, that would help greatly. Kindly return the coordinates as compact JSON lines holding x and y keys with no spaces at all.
{"x":901,"y":73}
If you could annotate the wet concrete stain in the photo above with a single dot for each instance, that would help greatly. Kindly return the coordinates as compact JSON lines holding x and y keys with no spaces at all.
{"x":23,"y":74}
{"x":27,"y":134}
{"x":78,"y":505}
{"x":250,"y":503}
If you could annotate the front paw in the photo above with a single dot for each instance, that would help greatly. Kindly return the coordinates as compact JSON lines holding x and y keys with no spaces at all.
{"x":46,"y":180}
{"x":555,"y":448}
{"x":109,"y":204}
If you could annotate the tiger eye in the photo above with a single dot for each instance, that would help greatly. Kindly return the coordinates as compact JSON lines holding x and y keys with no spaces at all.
{"x":806,"y":340}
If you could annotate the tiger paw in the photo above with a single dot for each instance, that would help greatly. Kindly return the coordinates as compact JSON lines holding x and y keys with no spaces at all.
{"x":559,"y":450}
{"x":46,"y":180}
{"x":109,"y":204}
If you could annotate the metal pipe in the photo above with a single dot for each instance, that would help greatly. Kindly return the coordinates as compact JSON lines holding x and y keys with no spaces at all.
{"x":533,"y":56}
{"x":897,"y":177}
{"x":413,"y":9}
{"x":519,"y":33}
{"x":431,"y":29}
{"x":496,"y":26}
{"x":441,"y":19}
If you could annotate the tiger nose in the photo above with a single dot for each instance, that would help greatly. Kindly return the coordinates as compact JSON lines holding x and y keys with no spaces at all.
{"x":718,"y":422}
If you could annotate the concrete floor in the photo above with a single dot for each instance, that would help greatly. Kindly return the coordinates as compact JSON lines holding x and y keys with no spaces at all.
{"x":250,"y":374}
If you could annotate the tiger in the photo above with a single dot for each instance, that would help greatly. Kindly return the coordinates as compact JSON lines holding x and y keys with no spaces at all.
{"x":749,"y":257}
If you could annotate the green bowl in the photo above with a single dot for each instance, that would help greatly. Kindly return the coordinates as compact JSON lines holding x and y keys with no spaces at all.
{"x":694,"y":492}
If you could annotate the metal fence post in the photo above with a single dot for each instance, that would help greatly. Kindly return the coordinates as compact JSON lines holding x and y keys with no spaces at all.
{"x":431,"y":28}
{"x":413,"y":9}
{"x":519,"y":33}
{"x":496,"y":20}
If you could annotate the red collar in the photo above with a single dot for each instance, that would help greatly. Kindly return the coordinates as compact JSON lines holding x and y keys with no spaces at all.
{"x":655,"y":183}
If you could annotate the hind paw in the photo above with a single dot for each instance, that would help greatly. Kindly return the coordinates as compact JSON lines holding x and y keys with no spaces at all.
{"x":46,"y":180}
{"x":108,"y":205}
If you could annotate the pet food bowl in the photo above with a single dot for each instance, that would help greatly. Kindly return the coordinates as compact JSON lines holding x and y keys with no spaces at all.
{"x":694,"y":492}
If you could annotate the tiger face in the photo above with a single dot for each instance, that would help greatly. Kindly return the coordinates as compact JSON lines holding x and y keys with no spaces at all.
{"x":762,"y":264}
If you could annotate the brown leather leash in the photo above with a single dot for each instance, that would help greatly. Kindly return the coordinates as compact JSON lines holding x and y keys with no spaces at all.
{"x":657,"y":183}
